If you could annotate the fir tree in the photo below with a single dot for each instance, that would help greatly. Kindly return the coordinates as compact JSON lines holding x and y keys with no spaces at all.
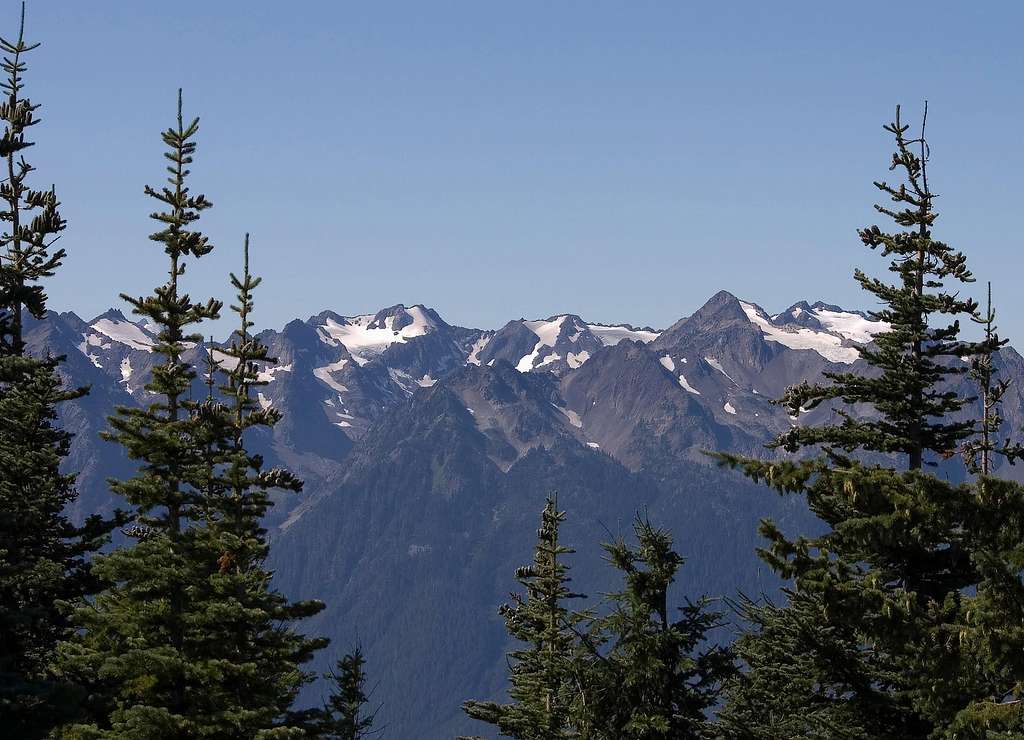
{"x":248,"y":635}
{"x":345,"y":716}
{"x":914,"y":360}
{"x":989,"y":628}
{"x":648,"y":674}
{"x":138,"y":647}
{"x":43,"y":557}
{"x":191,"y":640}
{"x":805,"y":676}
{"x":543,"y":684}
{"x":886,"y":580}
{"x":980,"y":452}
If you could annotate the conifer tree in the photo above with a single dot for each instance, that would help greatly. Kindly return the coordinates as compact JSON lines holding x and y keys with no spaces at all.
{"x":648,"y":673}
{"x":137,"y":650}
{"x":43,"y":557}
{"x":345,"y":716}
{"x":980,"y":451}
{"x":543,"y":685}
{"x":990,"y":627}
{"x":883,"y":586}
{"x":248,"y":628}
{"x":191,"y":640}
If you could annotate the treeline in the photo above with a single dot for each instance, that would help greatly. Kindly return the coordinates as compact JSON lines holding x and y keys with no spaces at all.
{"x":903,"y":618}
{"x":176,"y":632}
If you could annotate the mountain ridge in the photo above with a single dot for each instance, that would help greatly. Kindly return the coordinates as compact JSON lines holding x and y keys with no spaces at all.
{"x":427,"y":450}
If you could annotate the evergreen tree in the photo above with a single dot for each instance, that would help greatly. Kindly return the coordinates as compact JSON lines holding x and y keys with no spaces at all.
{"x":190,"y":640}
{"x":543,"y":684}
{"x":647,"y":676}
{"x":345,"y":716}
{"x":980,"y":452}
{"x":248,"y":636}
{"x":885,"y":581}
{"x":138,"y":641}
{"x":43,"y":557}
{"x":989,"y":627}
{"x":805,"y":676}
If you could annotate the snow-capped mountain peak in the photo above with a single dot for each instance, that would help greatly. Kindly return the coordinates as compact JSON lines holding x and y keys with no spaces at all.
{"x":114,"y":326}
{"x":828,"y":330}
{"x":368,"y":335}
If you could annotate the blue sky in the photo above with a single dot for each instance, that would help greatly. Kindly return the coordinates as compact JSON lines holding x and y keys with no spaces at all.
{"x":622,"y":161}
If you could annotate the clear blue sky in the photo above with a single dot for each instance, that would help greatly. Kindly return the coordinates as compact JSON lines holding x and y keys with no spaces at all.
{"x":493,"y":160}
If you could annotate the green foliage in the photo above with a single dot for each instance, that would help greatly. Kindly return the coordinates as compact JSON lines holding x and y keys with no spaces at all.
{"x":804,"y":678}
{"x":543,"y":688}
{"x":914,"y":360}
{"x":980,"y":451}
{"x":345,"y":716}
{"x":43,"y":557}
{"x":33,"y":215}
{"x":880,"y":635}
{"x":649,"y":675}
{"x":635,"y":672}
{"x":190,"y":640}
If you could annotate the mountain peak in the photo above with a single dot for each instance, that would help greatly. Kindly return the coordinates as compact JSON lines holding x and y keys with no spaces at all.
{"x":398,"y":317}
{"x":111,"y":314}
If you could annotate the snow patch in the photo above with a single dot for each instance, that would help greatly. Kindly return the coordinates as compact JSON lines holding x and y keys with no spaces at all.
{"x":853,"y":326}
{"x":126,"y":371}
{"x":609,"y":335}
{"x":553,"y":357}
{"x":830,"y":346}
{"x":474,"y":352}
{"x":125,"y":332}
{"x":595,"y":445}
{"x":324,"y":374}
{"x":268,"y":374}
{"x":365,"y":343}
{"x":729,"y":408}
{"x":426,"y":381}
{"x":718,"y":366}
{"x":575,"y":359}
{"x":547,"y":334}
{"x":687,"y":386}
{"x":668,"y":363}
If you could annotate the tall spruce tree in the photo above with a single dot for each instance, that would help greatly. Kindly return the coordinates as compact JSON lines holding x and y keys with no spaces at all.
{"x":138,"y":649}
{"x":248,"y":634}
{"x":543,"y":683}
{"x":43,"y":557}
{"x":875,"y":598}
{"x":191,"y":640}
{"x":649,"y":673}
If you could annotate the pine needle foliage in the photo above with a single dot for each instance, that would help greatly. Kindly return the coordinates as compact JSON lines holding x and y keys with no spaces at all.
{"x":141,"y":646}
{"x":872,"y":636}
{"x":43,"y":557}
{"x":914,"y":360}
{"x":981,"y":451}
{"x":649,"y":672}
{"x":249,"y":638}
{"x":543,"y":685}
{"x":345,"y":715}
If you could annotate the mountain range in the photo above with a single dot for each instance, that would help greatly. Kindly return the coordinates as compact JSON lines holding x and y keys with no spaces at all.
{"x":427,"y":450}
